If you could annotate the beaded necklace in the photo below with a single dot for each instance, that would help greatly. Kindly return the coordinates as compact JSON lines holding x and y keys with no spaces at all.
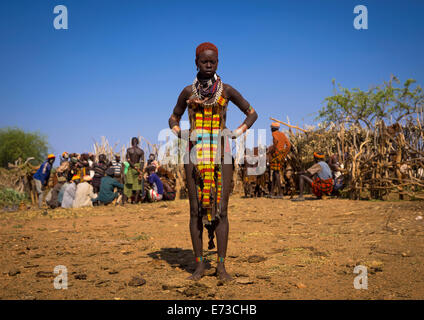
{"x":195,"y":87}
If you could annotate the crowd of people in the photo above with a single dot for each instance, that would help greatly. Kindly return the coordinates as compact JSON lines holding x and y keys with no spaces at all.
{"x":84,"y":180}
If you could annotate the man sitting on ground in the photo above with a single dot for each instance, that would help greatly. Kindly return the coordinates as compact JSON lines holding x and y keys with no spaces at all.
{"x":156,"y":192}
{"x":322,"y":184}
{"x":54,"y":199}
{"x":84,"y":194}
{"x":107,"y":185}
{"x":169,"y":183}
{"x":61,"y":193}
{"x":69,"y":194}
{"x":338,"y":170}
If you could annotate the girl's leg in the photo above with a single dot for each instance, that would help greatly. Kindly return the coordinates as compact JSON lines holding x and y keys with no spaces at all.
{"x":222,"y":228}
{"x":196,"y":225}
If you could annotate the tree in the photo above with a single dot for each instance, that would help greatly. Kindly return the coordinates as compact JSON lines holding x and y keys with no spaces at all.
{"x":384,"y":102}
{"x":16,"y":143}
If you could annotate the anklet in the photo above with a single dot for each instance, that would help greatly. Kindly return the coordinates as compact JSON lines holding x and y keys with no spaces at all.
{"x":221,"y":259}
{"x":199,"y":259}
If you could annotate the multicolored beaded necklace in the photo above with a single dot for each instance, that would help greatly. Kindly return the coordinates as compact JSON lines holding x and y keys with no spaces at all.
{"x":205,"y":90}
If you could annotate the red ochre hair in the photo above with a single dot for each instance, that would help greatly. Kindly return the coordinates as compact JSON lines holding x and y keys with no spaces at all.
{"x":205,"y":46}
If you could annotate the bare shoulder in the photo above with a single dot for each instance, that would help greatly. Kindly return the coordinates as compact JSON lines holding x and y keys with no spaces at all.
{"x":229,"y":89}
{"x":234,"y":95}
{"x":231,"y":92}
{"x":186,"y":91}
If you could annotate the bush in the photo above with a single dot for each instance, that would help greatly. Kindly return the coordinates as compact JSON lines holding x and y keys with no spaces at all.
{"x":10,"y":197}
{"x":16,"y":143}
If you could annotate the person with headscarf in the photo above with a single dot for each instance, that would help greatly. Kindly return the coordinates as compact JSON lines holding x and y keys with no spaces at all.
{"x":64,"y":157}
{"x":208,"y":176}
{"x":84,"y":194}
{"x":69,"y":193}
{"x":108,"y":184}
{"x":318,"y":176}
{"x":41,"y":177}
{"x":278,"y":151}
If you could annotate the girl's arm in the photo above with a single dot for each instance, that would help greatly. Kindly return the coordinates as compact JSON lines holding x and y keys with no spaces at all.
{"x":235,"y":97}
{"x":179,"y":109}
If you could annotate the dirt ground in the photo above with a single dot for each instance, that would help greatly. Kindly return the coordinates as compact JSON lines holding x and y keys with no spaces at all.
{"x":277,"y":250}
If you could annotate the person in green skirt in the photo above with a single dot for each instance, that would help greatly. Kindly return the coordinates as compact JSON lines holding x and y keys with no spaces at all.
{"x":134,"y":183}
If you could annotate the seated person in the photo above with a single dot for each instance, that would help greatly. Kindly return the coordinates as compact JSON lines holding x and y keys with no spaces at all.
{"x":69,"y":193}
{"x":156,"y":192}
{"x":338,"y":170}
{"x":169,"y":193}
{"x":54,"y":199}
{"x":62,"y":192}
{"x":107,"y":185}
{"x":84,"y":193}
{"x":169,"y":182}
{"x":323,"y":182}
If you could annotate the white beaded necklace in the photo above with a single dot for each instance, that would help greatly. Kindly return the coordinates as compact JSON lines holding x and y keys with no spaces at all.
{"x":218,"y":92}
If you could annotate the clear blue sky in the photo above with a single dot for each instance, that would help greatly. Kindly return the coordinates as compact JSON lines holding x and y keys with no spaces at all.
{"x":117,"y":71}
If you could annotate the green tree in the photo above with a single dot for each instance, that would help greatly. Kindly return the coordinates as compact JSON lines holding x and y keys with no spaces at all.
{"x":16,"y":143}
{"x":385,"y":102}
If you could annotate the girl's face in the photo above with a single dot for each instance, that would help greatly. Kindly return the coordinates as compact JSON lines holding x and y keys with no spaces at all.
{"x":207,"y":62}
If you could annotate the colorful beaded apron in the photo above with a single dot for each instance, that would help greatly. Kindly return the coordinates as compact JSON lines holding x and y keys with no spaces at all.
{"x":208,"y":120}
{"x":208,"y":125}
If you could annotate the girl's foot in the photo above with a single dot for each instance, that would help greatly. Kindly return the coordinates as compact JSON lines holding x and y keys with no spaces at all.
{"x":199,"y":272}
{"x":222,"y":273}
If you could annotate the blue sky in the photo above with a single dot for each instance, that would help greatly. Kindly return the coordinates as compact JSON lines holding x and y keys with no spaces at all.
{"x":119,"y":68}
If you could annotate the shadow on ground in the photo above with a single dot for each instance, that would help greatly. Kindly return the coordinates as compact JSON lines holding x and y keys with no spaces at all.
{"x":178,"y":257}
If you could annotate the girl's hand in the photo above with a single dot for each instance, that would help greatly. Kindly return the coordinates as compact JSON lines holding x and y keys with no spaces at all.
{"x":239,"y":131}
{"x":176,"y":130}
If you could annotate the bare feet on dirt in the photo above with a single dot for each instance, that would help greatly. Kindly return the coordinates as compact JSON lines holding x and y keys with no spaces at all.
{"x":198,"y":273}
{"x":222,"y":273}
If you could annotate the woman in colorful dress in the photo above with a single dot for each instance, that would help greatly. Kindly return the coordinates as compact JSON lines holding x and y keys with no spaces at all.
{"x":208,"y":164}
